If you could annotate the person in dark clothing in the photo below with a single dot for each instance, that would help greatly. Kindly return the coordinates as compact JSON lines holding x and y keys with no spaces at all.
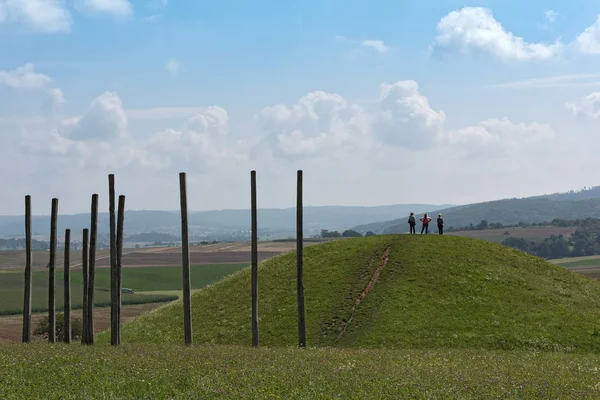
{"x":440,"y":223}
{"x":425,"y":221}
{"x":412,"y":222}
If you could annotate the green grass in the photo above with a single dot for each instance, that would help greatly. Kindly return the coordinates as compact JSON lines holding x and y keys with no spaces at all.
{"x":142,"y":279}
{"x":42,"y":371}
{"x":435,"y":292}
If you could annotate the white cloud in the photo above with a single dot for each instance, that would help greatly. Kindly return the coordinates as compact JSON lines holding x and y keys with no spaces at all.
{"x":117,"y":8}
{"x":173,"y":67}
{"x":322,"y":133}
{"x":157,"y":4}
{"x":498,"y":137}
{"x":319,"y":123}
{"x":104,"y":120}
{"x":57,"y":96}
{"x":588,"y":41}
{"x":588,"y":106}
{"x":550,"y":15}
{"x":572,"y":80}
{"x":42,"y":16}
{"x":377,"y":45}
{"x":475,"y":30}
{"x":24,"y":77}
{"x":162,"y":112}
{"x":200,"y":145}
{"x":406,"y":118}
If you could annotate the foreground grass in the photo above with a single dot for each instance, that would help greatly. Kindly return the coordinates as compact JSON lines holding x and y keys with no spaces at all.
{"x":142,"y":279}
{"x":434,"y":292}
{"x":39,"y":371}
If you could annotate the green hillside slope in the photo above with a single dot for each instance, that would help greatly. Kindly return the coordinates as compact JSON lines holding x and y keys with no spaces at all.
{"x":509,"y":211}
{"x":412,"y":292}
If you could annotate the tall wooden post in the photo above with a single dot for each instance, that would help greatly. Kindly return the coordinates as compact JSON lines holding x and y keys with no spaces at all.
{"x":67,"y":289}
{"x":119,"y":264}
{"x":299,"y":264}
{"x":92,"y":267}
{"x":185,"y":255}
{"x":86,"y":278}
{"x":114,"y":317}
{"x":254,"y":224}
{"x":27,"y":291}
{"x":51,"y":273}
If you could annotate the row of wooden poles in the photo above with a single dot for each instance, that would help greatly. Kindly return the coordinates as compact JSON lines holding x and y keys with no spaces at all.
{"x":116,"y":252}
{"x":88,"y":263}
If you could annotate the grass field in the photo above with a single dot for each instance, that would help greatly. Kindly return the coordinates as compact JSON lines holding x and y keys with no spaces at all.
{"x":210,"y":372}
{"x":536,"y":234}
{"x":429,"y":292}
{"x":143,"y":279}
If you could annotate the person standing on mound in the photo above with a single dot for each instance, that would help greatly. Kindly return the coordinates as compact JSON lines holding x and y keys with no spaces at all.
{"x":412,"y":221}
{"x":425,"y":221}
{"x":440,"y":223}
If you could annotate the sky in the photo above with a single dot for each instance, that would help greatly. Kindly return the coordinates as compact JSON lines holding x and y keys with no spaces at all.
{"x":378,"y":102}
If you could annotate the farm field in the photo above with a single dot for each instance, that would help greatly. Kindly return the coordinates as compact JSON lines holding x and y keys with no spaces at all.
{"x":140,"y":279}
{"x":210,"y":372}
{"x":11,"y":327}
{"x":222,"y":253}
{"x":536,"y":234}
{"x":588,"y":266}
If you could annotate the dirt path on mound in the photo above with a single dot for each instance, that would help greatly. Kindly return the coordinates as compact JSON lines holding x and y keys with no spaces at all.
{"x":368,"y":288}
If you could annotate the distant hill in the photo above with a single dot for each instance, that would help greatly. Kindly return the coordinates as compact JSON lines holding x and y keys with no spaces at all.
{"x":389,"y":291}
{"x":272,"y":221}
{"x":572,"y":205}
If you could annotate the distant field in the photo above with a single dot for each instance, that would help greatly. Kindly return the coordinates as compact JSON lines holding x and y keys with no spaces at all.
{"x":222,"y":253}
{"x":146,"y":279}
{"x":536,"y":234}
{"x":11,"y":327}
{"x":588,"y":266}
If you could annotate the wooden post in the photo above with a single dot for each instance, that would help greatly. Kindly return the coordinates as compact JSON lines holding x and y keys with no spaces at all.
{"x":185,"y":255}
{"x":51,"y":283}
{"x":254,"y":224}
{"x":86,"y":278}
{"x":92,"y":267}
{"x":299,"y":264}
{"x":119,"y":264}
{"x":114,"y":317}
{"x":67,"y":289}
{"x":27,"y":292}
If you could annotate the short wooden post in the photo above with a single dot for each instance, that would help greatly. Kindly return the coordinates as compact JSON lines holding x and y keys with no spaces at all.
{"x":114,"y":318}
{"x":27,"y":291}
{"x":119,"y":264}
{"x":299,"y":264}
{"x":67,"y":289}
{"x":86,"y":278}
{"x":185,"y":255}
{"x":254,"y":223}
{"x":51,"y":273}
{"x":92,"y":267}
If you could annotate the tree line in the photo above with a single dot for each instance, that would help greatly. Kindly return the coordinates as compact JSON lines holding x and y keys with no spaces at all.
{"x":348,"y":233}
{"x":585,"y":241}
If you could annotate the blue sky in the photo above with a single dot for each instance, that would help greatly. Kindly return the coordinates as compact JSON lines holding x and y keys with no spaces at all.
{"x":432,"y":101}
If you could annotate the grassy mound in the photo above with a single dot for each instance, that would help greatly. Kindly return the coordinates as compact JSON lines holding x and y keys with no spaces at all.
{"x":421,"y":292}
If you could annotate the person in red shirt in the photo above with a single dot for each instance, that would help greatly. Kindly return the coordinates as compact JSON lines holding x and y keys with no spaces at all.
{"x":425,"y":221}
